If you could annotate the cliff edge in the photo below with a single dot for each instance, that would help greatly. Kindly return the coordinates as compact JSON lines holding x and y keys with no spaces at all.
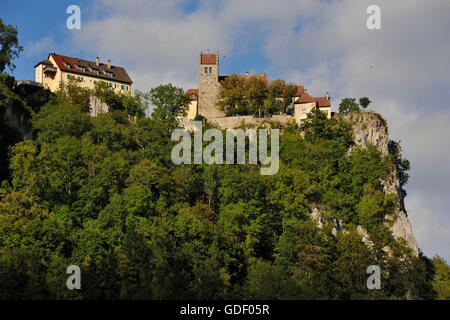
{"x":370,"y":128}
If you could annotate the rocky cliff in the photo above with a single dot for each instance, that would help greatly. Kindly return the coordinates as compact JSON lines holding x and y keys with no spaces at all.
{"x":370,"y":128}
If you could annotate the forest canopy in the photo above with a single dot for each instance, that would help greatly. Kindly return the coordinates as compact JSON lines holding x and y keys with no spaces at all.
{"x":102,"y":193}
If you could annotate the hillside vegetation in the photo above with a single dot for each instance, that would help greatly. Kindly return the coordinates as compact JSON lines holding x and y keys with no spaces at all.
{"x":103,"y":193}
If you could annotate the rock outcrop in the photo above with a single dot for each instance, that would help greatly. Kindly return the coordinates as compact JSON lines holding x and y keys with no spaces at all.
{"x":370,"y":128}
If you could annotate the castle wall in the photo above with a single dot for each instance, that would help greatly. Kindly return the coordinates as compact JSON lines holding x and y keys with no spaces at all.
{"x":235,"y":122}
{"x":208,"y":88}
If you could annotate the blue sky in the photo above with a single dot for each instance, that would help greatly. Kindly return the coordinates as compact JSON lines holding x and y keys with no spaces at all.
{"x":41,"y":37}
{"x":325,"y":45}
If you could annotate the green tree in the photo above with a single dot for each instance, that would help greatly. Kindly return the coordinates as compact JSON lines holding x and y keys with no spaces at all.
{"x":72,"y":91}
{"x":402,"y":164}
{"x":136,"y":105}
{"x":348,"y":105}
{"x":107,"y":95}
{"x":441,"y":281}
{"x":273,"y":102}
{"x":169,"y":102}
{"x":349,"y":269}
{"x":9,"y":44}
{"x":266,"y":281}
{"x":364,"y":102}
{"x":289,"y":92}
{"x":231,"y":97}
{"x":255,"y":94}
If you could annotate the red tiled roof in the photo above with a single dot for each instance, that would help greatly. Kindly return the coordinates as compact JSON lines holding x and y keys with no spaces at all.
{"x":119,"y":73}
{"x":305,"y":98}
{"x":193,"y":94}
{"x":208,"y":58}
{"x":322,"y":102}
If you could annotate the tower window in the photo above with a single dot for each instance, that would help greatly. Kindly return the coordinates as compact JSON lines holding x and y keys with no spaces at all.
{"x":210,"y":69}
{"x":206,"y":69}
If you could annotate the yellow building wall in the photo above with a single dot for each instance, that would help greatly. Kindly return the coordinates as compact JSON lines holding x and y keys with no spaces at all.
{"x":38,"y":73}
{"x":301,"y":111}
{"x":192,"y":111}
{"x":326,"y":110}
{"x":53,"y":82}
{"x":89,"y":82}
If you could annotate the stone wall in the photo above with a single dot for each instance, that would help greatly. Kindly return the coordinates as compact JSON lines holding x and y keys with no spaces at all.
{"x":208,"y":89}
{"x":234,"y":122}
{"x":97,"y":106}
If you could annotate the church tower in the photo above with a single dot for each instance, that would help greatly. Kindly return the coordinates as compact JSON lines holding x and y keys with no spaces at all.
{"x":208,"y":85}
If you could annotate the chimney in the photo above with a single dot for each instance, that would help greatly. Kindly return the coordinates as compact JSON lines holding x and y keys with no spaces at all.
{"x":97,"y":62}
{"x":246,"y":73}
{"x":328,"y":96}
{"x":109,"y":63}
{"x":200,"y":57}
{"x":217,"y":57}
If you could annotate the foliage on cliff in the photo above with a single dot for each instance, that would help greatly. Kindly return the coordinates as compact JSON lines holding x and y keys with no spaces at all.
{"x":103,"y":193}
{"x":17,"y":104}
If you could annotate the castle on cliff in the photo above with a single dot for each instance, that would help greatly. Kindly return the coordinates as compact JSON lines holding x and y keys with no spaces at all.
{"x":204,"y":98}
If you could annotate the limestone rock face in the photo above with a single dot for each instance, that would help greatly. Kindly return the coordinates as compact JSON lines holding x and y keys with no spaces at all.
{"x":369,"y":128}
{"x":317,"y":218}
{"x":365,"y":236}
{"x":401,"y":228}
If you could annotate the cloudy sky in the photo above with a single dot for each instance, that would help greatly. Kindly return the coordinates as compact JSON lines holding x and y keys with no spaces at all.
{"x":404,"y":68}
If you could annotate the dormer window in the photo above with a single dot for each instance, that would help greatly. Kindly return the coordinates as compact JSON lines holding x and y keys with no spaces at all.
{"x":95,"y":71}
{"x":81,"y":69}
{"x":109,"y":74}
{"x":67,"y":65}
{"x":193,"y":96}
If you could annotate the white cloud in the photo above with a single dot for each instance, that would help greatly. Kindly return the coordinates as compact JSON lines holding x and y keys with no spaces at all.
{"x":430,"y":224}
{"x":36,"y":48}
